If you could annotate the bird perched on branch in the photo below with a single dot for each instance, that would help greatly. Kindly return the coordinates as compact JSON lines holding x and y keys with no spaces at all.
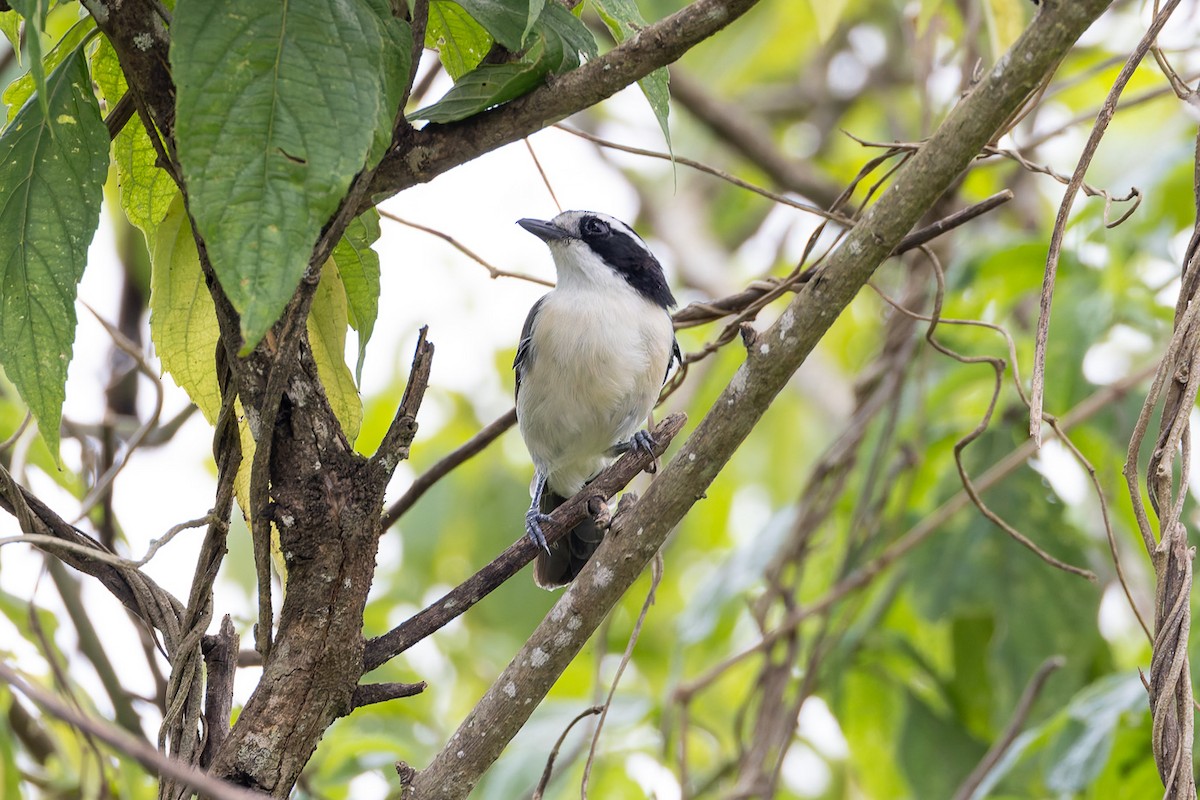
{"x":594,"y":354}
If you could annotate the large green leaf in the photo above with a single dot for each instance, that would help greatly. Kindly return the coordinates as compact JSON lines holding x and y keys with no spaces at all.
{"x":52,"y":171}
{"x":359,"y":268}
{"x":272,"y":101}
{"x":394,"y":73}
{"x":183,"y":321}
{"x":460,"y":41}
{"x":623,"y":19}
{"x":508,"y":21}
{"x":146,"y":188}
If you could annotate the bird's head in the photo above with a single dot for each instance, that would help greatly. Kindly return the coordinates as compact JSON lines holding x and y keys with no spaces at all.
{"x":590,"y":247}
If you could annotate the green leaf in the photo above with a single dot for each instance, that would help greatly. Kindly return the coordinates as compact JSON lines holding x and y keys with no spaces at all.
{"x":20,"y":90}
{"x":270,"y":109}
{"x":10,"y":774}
{"x":34,"y":12}
{"x":460,"y":41}
{"x":508,"y":21}
{"x":183,"y":321}
{"x":484,"y":87}
{"x":1095,"y":714}
{"x":394,"y":71}
{"x":52,"y":172}
{"x":146,"y":189}
{"x":10,"y":26}
{"x":566,"y":34}
{"x":623,"y":19}
{"x":358,"y":264}
{"x":562,"y":42}
{"x":327,"y":336}
{"x":1005,"y":21}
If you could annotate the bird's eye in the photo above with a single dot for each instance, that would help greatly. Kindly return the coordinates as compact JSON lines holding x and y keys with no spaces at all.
{"x":594,"y":227}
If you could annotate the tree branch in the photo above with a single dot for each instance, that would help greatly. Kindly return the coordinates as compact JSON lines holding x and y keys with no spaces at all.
{"x":777,"y":354}
{"x":383,"y":648}
{"x":400,"y":434}
{"x":437,"y":148}
{"x":123,"y":742}
{"x":370,"y":693}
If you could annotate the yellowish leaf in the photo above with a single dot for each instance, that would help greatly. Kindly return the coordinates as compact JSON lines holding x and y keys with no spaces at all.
{"x":183,"y":321}
{"x":327,"y":324}
{"x":1005,"y":20}
{"x":827,"y":13}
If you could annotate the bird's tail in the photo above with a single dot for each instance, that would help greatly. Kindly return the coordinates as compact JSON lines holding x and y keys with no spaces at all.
{"x":568,"y":555}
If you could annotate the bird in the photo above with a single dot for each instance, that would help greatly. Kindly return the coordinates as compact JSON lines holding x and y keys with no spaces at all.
{"x":593,"y":357}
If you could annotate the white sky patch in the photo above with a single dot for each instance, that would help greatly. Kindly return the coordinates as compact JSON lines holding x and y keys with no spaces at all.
{"x":1123,"y":350}
{"x":818,"y":725}
{"x":655,"y":779}
{"x":869,"y":44}
{"x":1115,"y":619}
{"x":846,"y":75}
{"x":1061,"y":471}
{"x":367,"y":786}
{"x":805,"y":772}
{"x":748,"y":513}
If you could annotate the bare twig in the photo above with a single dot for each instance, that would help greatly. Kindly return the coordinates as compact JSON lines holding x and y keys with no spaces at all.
{"x":655,"y":579}
{"x":493,"y":271}
{"x":1034,"y":688}
{"x":400,"y":434}
{"x":476,"y":444}
{"x":370,"y":693}
{"x":705,"y":168}
{"x":123,"y":742}
{"x":549,"y":770}
{"x":383,"y":648}
{"x":220,"y":665}
{"x":545,"y":179}
{"x":1176,"y":385}
{"x":1038,"y":388}
{"x":915,"y":536}
{"x":701,"y":313}
{"x":132,"y":350}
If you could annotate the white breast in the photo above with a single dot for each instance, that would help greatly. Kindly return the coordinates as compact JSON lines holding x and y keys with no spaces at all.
{"x":593,"y":382}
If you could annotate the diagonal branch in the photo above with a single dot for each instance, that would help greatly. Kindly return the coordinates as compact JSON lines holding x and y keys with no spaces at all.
{"x":519,"y":553}
{"x":770,"y":364}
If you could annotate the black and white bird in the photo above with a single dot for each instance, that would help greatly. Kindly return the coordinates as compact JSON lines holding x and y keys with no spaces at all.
{"x":594,"y":354}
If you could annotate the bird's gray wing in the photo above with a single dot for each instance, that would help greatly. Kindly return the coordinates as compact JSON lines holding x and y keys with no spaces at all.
{"x":524,"y":355}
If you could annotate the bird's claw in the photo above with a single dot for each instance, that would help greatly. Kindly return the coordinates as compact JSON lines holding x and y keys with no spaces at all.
{"x":533,"y":528}
{"x":642,"y":440}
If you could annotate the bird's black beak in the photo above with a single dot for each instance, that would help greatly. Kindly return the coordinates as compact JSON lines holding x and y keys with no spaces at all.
{"x":546,"y":231}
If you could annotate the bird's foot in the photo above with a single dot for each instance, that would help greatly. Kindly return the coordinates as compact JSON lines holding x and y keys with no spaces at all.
{"x":642,"y":440}
{"x":533,"y":528}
